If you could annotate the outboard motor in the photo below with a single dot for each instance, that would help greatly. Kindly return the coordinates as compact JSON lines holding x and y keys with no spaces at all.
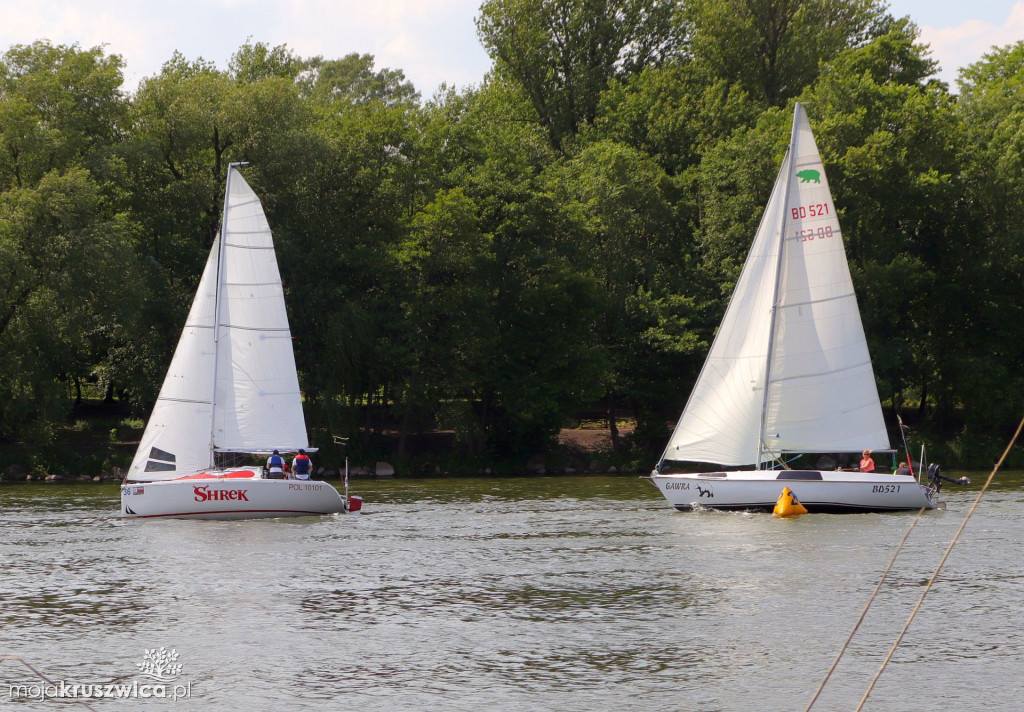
{"x":936,"y":477}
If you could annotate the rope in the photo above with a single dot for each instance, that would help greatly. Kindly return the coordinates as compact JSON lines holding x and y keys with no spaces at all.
{"x":924,"y":593}
{"x":938,"y":568}
{"x":8,"y":656}
{"x":864,"y":612}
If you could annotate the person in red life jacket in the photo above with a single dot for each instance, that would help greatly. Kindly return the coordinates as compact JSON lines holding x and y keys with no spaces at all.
{"x":866,"y":463}
{"x":301,"y":465}
{"x":275,"y":466}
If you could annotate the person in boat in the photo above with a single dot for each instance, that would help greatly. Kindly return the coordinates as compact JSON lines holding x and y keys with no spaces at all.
{"x":903,"y":469}
{"x":275,"y":466}
{"x":866,"y":463}
{"x":301,"y":465}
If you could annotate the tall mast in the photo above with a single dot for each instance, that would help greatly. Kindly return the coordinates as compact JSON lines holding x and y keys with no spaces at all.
{"x":788,"y":169}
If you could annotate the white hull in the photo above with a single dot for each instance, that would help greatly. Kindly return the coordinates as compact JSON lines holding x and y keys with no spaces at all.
{"x":817,"y":490}
{"x":230,"y":497}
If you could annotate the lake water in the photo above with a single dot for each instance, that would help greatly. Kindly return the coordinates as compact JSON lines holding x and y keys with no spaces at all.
{"x":554,"y":593}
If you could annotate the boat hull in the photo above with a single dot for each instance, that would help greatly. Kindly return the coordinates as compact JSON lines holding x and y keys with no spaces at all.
{"x":229,"y":498}
{"x":817,"y":490}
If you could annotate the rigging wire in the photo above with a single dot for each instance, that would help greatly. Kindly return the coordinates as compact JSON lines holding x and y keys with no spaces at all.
{"x":924,"y":593}
{"x":15,"y":658}
{"x":938,"y":568}
{"x":864,"y":612}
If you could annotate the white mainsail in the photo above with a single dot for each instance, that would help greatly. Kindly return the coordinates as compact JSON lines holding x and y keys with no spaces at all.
{"x":232,"y":383}
{"x":793,"y":324}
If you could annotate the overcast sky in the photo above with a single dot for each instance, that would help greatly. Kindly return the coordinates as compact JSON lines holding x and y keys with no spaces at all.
{"x":432,"y":41}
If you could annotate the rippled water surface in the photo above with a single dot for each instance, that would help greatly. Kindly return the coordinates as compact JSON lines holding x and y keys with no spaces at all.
{"x":559,"y":593}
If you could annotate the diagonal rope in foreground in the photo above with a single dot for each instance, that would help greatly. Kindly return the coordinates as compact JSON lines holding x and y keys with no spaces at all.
{"x":41,"y":676}
{"x":924,"y":593}
{"x":938,"y":568}
{"x":864,"y":611}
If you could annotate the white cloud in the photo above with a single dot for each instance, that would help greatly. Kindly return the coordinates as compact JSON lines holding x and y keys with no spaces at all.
{"x":432,"y":41}
{"x":960,"y":45}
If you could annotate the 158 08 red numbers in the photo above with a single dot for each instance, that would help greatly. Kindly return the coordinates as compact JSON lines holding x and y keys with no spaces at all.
{"x":810,"y":211}
{"x":821,"y":233}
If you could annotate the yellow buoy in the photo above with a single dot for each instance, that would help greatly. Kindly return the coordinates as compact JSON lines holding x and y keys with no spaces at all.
{"x":788,"y":505}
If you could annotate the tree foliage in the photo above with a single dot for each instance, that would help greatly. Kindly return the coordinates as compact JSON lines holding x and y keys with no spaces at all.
{"x":561,"y":239}
{"x":774,"y":48}
{"x":563,"y":53}
{"x":70,"y":270}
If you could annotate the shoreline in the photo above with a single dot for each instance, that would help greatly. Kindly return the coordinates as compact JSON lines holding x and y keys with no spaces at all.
{"x":577,"y":451}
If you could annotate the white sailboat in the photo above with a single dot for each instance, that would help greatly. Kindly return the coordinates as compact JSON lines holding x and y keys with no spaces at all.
{"x":231,"y":391}
{"x":789,"y":370}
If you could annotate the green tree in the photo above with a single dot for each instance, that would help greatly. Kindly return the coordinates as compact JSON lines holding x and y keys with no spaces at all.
{"x":563,"y":53}
{"x":352,"y":79}
{"x":345,"y":215}
{"x":539,"y":361}
{"x":59,"y":105}
{"x":546,"y":309}
{"x":674,"y":114}
{"x":774,"y":48}
{"x":736,"y":175}
{"x":448,"y":322}
{"x":176,"y":159}
{"x":254,"y":62}
{"x":71,"y":292}
{"x":618,"y":204}
{"x":987,"y":381}
{"x":70,"y":273}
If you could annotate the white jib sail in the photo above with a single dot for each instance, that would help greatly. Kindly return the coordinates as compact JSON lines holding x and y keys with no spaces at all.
{"x":821,"y":394}
{"x":254,"y":403}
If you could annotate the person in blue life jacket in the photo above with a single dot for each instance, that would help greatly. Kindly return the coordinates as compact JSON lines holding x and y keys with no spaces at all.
{"x":275,"y":466}
{"x":301,"y":465}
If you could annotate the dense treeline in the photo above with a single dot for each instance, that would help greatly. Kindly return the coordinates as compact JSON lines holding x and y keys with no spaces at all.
{"x":561,"y":238}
